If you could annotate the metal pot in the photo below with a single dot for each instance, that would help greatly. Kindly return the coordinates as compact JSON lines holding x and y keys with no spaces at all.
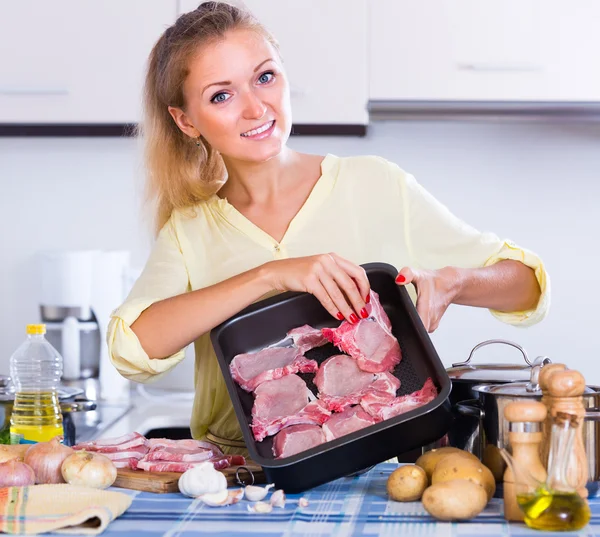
{"x":465,"y":376}
{"x":488,"y":411}
{"x":69,"y":398}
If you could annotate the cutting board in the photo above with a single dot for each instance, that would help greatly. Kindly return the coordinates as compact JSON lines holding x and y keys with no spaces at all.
{"x":162,"y":482}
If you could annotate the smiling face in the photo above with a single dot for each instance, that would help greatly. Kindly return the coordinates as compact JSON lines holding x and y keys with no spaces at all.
{"x":237,"y":97}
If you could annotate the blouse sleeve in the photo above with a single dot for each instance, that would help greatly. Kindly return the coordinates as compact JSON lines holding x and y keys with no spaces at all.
{"x":165,"y":275}
{"x":436,"y":238}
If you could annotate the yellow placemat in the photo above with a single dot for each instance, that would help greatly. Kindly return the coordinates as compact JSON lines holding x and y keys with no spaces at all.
{"x":59,"y":508}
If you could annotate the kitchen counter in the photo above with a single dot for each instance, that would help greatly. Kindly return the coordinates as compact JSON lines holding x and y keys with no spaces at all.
{"x":345,"y":507}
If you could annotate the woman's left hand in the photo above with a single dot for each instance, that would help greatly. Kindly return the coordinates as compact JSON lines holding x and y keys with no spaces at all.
{"x":435,"y":291}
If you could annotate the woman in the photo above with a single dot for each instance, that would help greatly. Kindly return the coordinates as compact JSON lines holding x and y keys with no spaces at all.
{"x":242,"y":216}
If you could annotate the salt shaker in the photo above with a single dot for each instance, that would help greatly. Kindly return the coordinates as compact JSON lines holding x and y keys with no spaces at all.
{"x":525,"y":435}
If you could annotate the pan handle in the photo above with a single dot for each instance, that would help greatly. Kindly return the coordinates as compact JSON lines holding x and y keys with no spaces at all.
{"x":490,"y":342}
{"x":77,"y":406}
{"x":592,"y":414}
{"x":471,"y":408}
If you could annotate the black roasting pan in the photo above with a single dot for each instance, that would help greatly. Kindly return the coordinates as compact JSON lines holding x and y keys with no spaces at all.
{"x":266,"y":322}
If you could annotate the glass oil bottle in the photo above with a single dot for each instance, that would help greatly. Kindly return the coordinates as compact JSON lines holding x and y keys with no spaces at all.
{"x":555,"y":505}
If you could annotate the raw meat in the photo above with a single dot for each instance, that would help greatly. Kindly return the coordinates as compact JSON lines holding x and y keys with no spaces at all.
{"x":113,"y":445}
{"x":382,"y":409}
{"x":220,"y":462}
{"x":284,"y":402}
{"x":352,"y":419}
{"x":187,"y":444}
{"x":370,"y":342}
{"x":296,"y":439}
{"x":306,"y":338}
{"x":250,"y":370}
{"x":172,"y":455}
{"x":341,"y":383}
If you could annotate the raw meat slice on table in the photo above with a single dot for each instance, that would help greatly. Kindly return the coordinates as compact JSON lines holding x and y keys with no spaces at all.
{"x":383,"y":409}
{"x":250,"y":370}
{"x":187,"y":444}
{"x":341,"y":383}
{"x":113,"y":445}
{"x":220,"y":462}
{"x":306,"y":338}
{"x":296,"y":439}
{"x":370,"y":341}
{"x":351,"y":420}
{"x":284,"y":402}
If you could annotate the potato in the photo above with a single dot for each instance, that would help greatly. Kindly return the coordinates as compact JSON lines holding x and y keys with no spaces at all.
{"x":429,"y":460}
{"x":459,"y":467}
{"x":407,"y":483}
{"x":457,"y":499}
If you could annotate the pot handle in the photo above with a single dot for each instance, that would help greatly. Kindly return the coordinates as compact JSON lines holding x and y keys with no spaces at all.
{"x":592,"y":414}
{"x":490,"y":342}
{"x":470,"y":407}
{"x":77,"y":406}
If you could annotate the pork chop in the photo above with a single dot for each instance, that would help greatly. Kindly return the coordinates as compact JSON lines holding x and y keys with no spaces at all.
{"x":306,"y":338}
{"x":382,"y":409}
{"x":341,"y":383}
{"x":284,"y":402}
{"x":370,"y":341}
{"x":350,"y":420}
{"x":252,"y":369}
{"x":296,"y":439}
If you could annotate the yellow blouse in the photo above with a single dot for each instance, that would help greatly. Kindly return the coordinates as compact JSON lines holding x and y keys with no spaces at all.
{"x":365,"y":209}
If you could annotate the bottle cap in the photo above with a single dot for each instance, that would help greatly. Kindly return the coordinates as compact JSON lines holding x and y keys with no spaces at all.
{"x":36,"y":329}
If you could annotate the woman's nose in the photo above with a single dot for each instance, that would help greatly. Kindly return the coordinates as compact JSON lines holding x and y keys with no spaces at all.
{"x":254,"y":107}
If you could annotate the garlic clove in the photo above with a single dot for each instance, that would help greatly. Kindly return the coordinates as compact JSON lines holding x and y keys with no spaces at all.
{"x":303,"y":502}
{"x":278,"y":498}
{"x":215,"y":499}
{"x":255,"y":494}
{"x":235,"y":495}
{"x":260,"y":507}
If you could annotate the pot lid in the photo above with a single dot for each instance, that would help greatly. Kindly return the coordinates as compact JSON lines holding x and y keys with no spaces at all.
{"x":516,"y":389}
{"x":477,"y":373}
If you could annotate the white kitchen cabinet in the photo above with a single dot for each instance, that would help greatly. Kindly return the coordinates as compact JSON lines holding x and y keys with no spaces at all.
{"x":474,"y":50}
{"x":325,"y":49}
{"x":77,"y":61}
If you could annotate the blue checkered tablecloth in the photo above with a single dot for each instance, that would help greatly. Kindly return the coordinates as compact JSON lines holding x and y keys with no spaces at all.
{"x":345,"y":507}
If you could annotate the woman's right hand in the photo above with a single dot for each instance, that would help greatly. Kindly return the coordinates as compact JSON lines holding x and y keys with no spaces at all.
{"x":341,"y":286}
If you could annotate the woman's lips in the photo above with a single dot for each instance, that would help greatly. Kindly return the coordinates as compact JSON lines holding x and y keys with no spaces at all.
{"x":260,"y":133}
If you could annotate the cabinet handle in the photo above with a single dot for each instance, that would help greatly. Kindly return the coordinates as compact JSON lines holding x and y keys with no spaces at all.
{"x":500,"y":66}
{"x":33,"y":91}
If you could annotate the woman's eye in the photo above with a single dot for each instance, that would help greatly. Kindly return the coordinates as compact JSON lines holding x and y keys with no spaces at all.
{"x":266,"y":77}
{"x":220,"y":98}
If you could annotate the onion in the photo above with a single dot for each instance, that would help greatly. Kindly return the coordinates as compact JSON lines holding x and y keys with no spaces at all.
{"x":10,"y":452}
{"x":16,"y":474}
{"x":46,"y":459}
{"x":89,"y":469}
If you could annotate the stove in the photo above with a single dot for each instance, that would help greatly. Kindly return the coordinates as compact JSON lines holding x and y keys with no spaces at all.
{"x":86,"y":426}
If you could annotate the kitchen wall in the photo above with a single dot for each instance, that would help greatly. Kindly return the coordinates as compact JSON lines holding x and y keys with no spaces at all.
{"x":534,"y":182}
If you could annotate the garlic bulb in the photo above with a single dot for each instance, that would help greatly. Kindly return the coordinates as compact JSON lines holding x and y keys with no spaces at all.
{"x":303,"y":502}
{"x":255,"y":494}
{"x":202,"y":479}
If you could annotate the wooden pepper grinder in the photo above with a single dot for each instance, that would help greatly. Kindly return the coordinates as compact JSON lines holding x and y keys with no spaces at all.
{"x":525,"y":435}
{"x":544,"y":378}
{"x":565,"y":390}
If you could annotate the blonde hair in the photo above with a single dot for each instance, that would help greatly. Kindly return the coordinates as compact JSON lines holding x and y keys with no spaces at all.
{"x":181,"y":173}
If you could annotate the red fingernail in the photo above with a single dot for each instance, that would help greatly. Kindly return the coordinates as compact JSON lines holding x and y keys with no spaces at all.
{"x":339,"y":315}
{"x":368,"y":299}
{"x":400,"y":279}
{"x":353,"y":318}
{"x":363,"y":313}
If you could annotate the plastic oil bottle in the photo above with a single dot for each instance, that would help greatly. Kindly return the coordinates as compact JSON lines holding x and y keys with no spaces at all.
{"x":36,"y":369}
